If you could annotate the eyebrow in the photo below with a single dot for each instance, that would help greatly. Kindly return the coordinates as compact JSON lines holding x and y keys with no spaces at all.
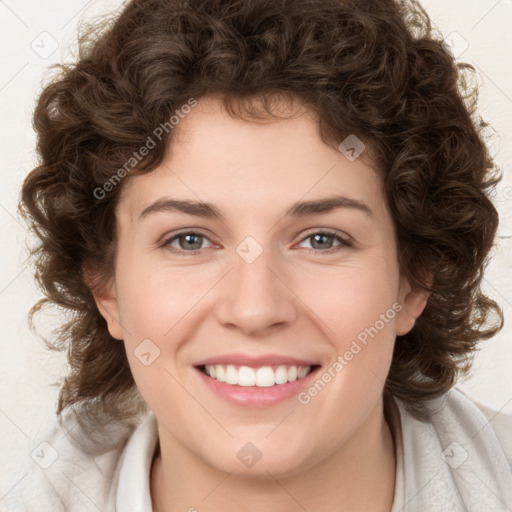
{"x":299,"y":209}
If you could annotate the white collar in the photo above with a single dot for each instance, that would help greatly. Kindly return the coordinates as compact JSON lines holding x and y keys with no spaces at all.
{"x":130,"y":491}
{"x":453,"y":462}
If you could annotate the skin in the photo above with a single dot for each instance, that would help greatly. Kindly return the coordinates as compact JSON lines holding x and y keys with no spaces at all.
{"x":297,"y":299}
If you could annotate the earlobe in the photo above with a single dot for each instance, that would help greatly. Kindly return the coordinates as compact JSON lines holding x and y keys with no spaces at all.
{"x":413,"y":303}
{"x":110,"y":312}
{"x":105,"y":297}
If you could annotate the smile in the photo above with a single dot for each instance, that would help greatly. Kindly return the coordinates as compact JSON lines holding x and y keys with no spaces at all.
{"x":262,"y":377}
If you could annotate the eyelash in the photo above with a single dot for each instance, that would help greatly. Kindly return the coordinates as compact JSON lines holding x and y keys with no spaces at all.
{"x":343,"y":242}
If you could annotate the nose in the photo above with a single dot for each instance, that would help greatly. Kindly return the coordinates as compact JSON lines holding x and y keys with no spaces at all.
{"x":255,"y":297}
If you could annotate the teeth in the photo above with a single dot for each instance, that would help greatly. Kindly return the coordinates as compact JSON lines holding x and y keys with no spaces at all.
{"x":302,"y":372}
{"x":231,"y":375}
{"x":263,"y":377}
{"x":292,"y":373}
{"x":219,"y":373}
{"x":246,"y":376}
{"x":282,"y":375}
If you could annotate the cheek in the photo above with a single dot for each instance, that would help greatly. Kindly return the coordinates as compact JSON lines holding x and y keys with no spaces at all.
{"x":359,"y":307}
{"x":354,"y":300}
{"x":155,"y":299}
{"x":361,"y":318}
{"x":160,"y":307}
{"x":154,"y":311}
{"x":362,"y":314}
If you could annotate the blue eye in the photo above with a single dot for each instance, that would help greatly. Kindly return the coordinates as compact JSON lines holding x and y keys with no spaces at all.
{"x":324,"y":240}
{"x":189,"y":242}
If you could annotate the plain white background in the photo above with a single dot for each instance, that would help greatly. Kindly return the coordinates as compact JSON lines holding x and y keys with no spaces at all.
{"x":34,"y":35}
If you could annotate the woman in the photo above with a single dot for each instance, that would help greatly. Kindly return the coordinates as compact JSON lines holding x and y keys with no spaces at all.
{"x":269,"y":223}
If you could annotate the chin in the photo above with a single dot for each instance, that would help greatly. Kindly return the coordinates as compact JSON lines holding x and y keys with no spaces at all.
{"x":256,"y":460}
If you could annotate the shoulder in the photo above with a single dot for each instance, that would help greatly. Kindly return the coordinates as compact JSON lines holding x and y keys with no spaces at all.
{"x":500,"y":422}
{"x":455,"y":414}
{"x":456,"y":411}
{"x":457,"y":456}
{"x":60,"y":473}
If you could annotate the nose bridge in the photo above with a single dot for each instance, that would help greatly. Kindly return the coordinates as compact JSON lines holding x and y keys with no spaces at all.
{"x":254,"y":298}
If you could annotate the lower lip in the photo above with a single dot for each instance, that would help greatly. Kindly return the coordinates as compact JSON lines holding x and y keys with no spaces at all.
{"x":252,"y":396}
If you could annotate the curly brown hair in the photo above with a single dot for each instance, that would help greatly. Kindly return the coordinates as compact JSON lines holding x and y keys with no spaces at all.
{"x":373,"y":68}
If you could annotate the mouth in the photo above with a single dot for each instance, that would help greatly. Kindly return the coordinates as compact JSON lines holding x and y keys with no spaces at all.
{"x":257,"y":386}
{"x":260,"y":377}
{"x":255,"y":381}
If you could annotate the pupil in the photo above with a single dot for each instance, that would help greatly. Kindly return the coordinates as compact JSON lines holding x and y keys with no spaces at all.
{"x":318,"y":238}
{"x":188,"y":241}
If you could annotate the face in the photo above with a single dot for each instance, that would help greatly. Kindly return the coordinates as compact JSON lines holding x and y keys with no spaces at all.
{"x":287,"y":273}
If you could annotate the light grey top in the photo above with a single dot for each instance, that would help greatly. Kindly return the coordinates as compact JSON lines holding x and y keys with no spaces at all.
{"x":460,"y":460}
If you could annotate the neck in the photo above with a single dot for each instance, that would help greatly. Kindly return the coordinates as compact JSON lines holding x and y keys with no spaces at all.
{"x":359,"y":476}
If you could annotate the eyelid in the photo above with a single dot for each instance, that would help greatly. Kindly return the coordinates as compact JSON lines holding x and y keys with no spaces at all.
{"x":165,"y":241}
{"x":328,"y":231}
{"x":344,"y":239}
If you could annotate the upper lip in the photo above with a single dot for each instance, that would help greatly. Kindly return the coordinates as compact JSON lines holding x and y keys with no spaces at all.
{"x":255,"y":361}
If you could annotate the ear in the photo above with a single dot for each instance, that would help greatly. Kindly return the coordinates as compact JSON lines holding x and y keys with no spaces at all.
{"x":105,"y":296}
{"x":413,"y":303}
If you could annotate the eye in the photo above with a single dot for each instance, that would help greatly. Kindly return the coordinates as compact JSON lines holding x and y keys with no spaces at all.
{"x":189,"y":242}
{"x":323,"y":240}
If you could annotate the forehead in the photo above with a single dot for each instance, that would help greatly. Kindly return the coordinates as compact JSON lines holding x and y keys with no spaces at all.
{"x":216,"y":157}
